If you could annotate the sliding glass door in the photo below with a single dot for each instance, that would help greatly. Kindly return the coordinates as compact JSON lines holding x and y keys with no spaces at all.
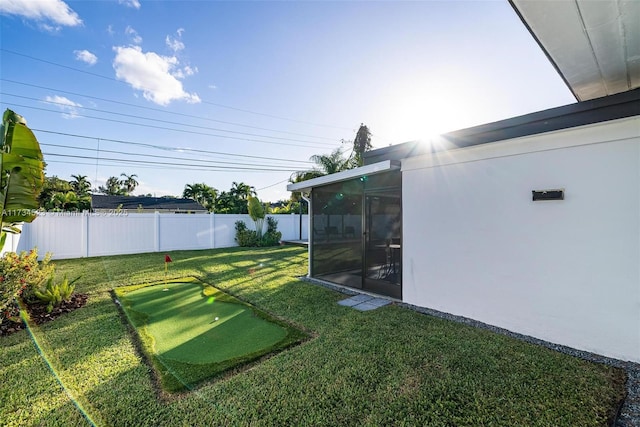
{"x":357,"y":232}
{"x":383,"y":243}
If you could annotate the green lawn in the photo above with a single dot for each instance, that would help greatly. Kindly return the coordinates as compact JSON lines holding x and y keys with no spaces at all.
{"x":390,"y":366}
{"x":192,"y":331}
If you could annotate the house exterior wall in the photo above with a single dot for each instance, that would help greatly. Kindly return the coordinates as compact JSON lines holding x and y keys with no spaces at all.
{"x":476,"y":245}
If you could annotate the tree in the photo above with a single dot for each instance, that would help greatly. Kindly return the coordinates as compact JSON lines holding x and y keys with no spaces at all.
{"x":21,"y":173}
{"x":361,"y":143}
{"x":202,"y":194}
{"x":325,"y":164}
{"x":257,"y":214}
{"x":111,"y":187}
{"x":80,"y":185}
{"x":52,"y":185}
{"x":242,"y":191}
{"x":129,"y":183}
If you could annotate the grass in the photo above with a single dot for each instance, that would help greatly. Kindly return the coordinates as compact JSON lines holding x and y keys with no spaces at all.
{"x":192,"y":331}
{"x":390,"y":366}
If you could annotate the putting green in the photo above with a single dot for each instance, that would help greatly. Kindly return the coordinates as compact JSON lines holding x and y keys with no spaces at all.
{"x":177,"y":325}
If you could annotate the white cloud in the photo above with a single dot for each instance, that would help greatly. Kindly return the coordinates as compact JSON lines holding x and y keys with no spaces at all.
{"x":110,"y":30}
{"x":64,"y":104}
{"x":55,"y":11}
{"x":130,"y":3}
{"x":135,"y":37}
{"x":186,"y":71}
{"x":155,"y":75}
{"x":214,"y":87}
{"x":174,"y":44}
{"x":86,"y":56}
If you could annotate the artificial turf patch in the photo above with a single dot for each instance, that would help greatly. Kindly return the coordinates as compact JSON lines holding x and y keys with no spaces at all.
{"x":192,"y":331}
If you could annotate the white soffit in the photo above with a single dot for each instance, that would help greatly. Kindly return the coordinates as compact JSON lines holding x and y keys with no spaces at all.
{"x":384,"y":166}
{"x":594,"y":45}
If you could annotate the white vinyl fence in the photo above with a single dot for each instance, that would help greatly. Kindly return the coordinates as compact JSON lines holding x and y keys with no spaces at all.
{"x":78,"y":235}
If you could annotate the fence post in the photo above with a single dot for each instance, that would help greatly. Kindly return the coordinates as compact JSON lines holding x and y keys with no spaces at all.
{"x":84,"y":235}
{"x":212,"y":230}
{"x":156,"y":223}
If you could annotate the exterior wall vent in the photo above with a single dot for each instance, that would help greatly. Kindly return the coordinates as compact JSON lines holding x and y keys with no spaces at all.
{"x":541,"y":195}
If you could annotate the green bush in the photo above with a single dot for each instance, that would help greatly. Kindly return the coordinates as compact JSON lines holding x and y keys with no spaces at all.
{"x":54,"y":293}
{"x":244,"y":236}
{"x":249,"y":238}
{"x":20,"y":275}
{"x":272,"y":236}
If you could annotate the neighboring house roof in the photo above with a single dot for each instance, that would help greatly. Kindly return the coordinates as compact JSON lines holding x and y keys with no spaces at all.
{"x":611,"y":107}
{"x":132,"y":203}
{"x":594,"y":45}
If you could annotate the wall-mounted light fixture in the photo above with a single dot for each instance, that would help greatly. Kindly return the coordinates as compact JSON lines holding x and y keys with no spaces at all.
{"x":539,"y":195}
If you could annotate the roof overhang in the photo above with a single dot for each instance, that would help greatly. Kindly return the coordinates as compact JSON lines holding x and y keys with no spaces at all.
{"x":375,"y":168}
{"x":594,"y":45}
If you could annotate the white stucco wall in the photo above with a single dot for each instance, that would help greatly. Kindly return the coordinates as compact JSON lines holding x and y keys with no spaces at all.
{"x":476,"y":245}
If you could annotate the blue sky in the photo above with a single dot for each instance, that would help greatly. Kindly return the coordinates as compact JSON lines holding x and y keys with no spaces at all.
{"x":179,"y":92}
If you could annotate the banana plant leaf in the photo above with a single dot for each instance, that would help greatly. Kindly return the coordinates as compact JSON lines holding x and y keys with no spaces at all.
{"x":21,"y":172}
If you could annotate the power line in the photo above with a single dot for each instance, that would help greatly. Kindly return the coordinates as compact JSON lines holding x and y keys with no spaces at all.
{"x":272,"y":185}
{"x":167,"y":128}
{"x":155,"y":155}
{"x":204,"y":102}
{"x":159,"y":147}
{"x":112,"y":163}
{"x":159,"y":120}
{"x":148,"y":162}
{"x":165,"y":111}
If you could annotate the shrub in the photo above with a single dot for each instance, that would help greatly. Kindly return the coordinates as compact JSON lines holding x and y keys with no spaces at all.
{"x":20,"y":274}
{"x":272,"y":236}
{"x":244,"y":236}
{"x":249,"y":238}
{"x":54,"y":293}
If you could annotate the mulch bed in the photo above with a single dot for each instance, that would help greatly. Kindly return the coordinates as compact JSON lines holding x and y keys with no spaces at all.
{"x":38,"y":314}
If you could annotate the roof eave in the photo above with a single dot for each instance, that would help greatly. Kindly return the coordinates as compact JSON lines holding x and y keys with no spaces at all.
{"x":375,"y":168}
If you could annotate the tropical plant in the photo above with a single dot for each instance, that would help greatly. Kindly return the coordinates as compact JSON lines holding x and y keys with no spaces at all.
{"x":325,"y":164}
{"x":128,"y":184}
{"x":289,"y":207}
{"x":67,"y":201}
{"x":20,"y":274}
{"x":202,"y":194}
{"x":54,"y":293}
{"x":111,"y":187}
{"x":256,"y":212}
{"x":22,"y":173}
{"x":80,"y":185}
{"x":361,"y":143}
{"x":272,"y":236}
{"x":241,"y":190}
{"x":244,"y":236}
{"x":230,"y":204}
{"x":52,"y":184}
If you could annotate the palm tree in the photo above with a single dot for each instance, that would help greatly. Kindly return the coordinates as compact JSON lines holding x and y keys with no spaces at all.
{"x":361,"y":143}
{"x":326,"y":164}
{"x":201,"y":193}
{"x":242,"y":191}
{"x":80,"y":185}
{"x":129,"y":183}
{"x":111,"y":187}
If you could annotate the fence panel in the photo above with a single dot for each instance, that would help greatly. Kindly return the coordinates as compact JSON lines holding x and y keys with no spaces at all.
{"x":177,"y":233}
{"x":77,"y":235}
{"x":225,"y":231}
{"x":61,"y":233}
{"x":119,"y":234}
